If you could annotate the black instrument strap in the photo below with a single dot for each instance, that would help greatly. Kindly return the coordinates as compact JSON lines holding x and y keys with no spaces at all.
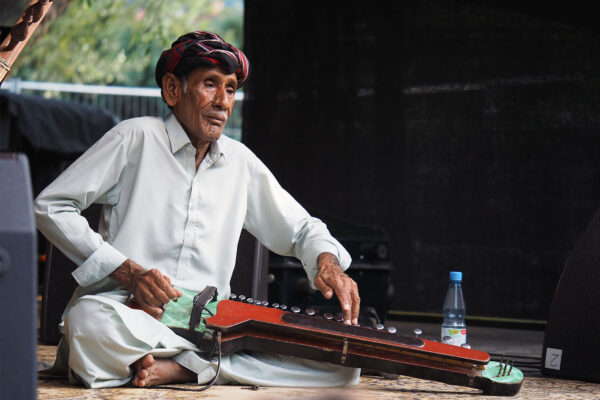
{"x":200,"y":300}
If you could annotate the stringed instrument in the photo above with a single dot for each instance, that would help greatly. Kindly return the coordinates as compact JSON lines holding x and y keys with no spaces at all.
{"x":241,"y":326}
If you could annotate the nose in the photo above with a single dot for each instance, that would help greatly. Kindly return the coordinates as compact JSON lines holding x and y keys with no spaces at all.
{"x":221,"y":99}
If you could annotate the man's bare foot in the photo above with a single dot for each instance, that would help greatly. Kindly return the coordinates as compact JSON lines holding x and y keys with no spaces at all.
{"x":151,"y":372}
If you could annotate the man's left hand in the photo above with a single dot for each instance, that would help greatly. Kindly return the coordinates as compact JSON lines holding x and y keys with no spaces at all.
{"x":331,"y":279}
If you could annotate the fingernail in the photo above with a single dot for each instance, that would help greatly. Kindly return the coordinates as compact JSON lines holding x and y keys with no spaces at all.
{"x":347,"y":322}
{"x":355,"y":321}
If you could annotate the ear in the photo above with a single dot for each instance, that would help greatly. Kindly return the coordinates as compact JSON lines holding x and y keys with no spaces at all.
{"x":171,"y":89}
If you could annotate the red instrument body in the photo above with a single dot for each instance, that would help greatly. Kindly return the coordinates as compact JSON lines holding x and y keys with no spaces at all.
{"x":243,"y":326}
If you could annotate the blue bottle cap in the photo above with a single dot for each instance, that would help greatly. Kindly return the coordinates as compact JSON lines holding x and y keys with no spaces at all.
{"x":456,"y":276}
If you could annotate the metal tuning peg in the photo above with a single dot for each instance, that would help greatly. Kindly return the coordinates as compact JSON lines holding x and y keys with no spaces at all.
{"x":310,"y":311}
{"x":391,"y":329}
{"x":241,"y":297}
{"x":328,"y":315}
{"x":466,"y":345}
{"x":417,"y":332}
{"x":379,"y":326}
{"x":500,"y":366}
{"x":232,"y":296}
{"x":250,"y":300}
{"x":275,"y":305}
{"x":265,"y":303}
{"x":295,"y":309}
{"x":283,"y":307}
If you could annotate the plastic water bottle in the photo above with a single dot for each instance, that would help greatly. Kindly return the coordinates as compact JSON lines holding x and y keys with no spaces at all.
{"x":454,"y":329}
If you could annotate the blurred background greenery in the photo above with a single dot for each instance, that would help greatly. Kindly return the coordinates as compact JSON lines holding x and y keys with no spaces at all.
{"x":117,"y":42}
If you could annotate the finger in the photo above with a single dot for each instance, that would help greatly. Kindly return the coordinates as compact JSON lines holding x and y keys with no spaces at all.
{"x":160,"y":295}
{"x":173,"y":293}
{"x":345,"y":299}
{"x":355,"y":303}
{"x":155,"y":312}
{"x":160,"y":286}
{"x":147,"y":297}
{"x":323,"y":287}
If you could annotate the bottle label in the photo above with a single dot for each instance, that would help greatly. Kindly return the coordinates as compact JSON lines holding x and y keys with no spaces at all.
{"x":458,"y":336}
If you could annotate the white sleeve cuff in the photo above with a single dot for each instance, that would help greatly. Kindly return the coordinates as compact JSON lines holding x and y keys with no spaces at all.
{"x":99,"y":265}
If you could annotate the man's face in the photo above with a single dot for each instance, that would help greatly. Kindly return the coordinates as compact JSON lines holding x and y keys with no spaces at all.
{"x":206,"y":104}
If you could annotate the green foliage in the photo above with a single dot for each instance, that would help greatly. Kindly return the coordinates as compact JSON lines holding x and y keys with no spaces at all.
{"x":117,"y":42}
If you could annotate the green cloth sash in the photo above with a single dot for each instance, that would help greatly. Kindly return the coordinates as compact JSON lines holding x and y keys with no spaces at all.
{"x":177,"y":313}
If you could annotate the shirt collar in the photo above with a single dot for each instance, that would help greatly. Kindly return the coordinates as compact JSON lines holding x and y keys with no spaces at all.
{"x":177,"y":135}
{"x":179,"y":139}
{"x":215,"y":152}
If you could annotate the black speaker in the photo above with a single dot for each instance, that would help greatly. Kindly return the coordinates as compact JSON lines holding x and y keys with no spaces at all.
{"x":571,"y":344}
{"x":18,"y":280}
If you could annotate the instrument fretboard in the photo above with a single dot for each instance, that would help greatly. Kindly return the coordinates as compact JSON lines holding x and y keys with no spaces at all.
{"x":336,"y":327}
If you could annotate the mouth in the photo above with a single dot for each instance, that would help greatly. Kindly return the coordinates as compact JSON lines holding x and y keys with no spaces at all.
{"x":216,"y":119}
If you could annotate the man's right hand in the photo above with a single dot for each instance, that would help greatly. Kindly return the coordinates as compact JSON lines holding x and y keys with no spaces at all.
{"x":151,"y":288}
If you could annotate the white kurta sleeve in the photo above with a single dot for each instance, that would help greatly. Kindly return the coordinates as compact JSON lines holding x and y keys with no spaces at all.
{"x":285,"y":227}
{"x":91,"y":178}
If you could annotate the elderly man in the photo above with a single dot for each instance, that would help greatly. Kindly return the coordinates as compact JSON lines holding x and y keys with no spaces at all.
{"x":175,"y":196}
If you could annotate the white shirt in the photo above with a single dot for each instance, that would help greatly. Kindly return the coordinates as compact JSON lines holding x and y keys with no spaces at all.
{"x":162,"y":213}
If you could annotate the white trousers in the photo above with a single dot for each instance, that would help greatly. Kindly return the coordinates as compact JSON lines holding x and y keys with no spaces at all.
{"x":103,"y":338}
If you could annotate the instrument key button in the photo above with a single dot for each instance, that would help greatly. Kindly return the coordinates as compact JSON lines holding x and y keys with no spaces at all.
{"x":295,"y":309}
{"x":310,"y":311}
{"x":275,"y":305}
{"x":250,"y":300}
{"x":379,"y":326}
{"x":328,"y":315}
{"x":283,"y":307}
{"x":241,"y":297}
{"x":391,"y":329}
{"x":265,"y":303}
{"x":417,"y":332}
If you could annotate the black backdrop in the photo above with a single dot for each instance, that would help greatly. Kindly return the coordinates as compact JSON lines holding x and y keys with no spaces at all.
{"x":469,"y":132}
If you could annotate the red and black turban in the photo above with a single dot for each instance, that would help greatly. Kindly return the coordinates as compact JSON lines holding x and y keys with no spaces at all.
{"x":201,"y":49}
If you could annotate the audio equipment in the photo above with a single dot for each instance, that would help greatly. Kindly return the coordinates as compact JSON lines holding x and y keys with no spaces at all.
{"x":18,"y":280}
{"x":570,"y":343}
